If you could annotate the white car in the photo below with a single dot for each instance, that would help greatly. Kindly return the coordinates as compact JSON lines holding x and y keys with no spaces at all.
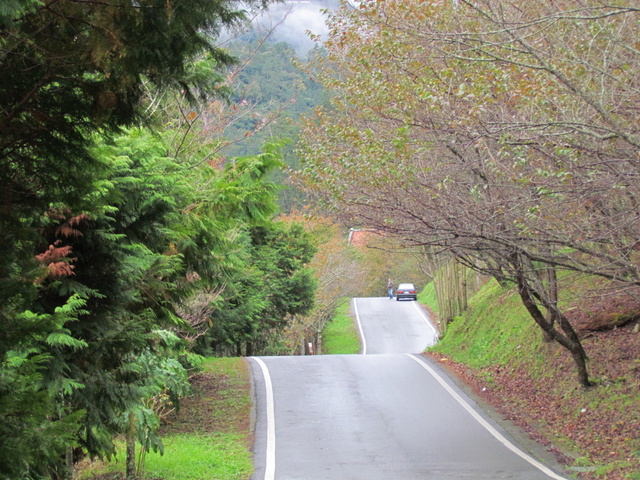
{"x":406,"y":290}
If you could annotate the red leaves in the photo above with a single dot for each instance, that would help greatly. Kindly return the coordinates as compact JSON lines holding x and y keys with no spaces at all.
{"x":69,"y":228}
{"x":56,"y":258}
{"x":57,"y":261}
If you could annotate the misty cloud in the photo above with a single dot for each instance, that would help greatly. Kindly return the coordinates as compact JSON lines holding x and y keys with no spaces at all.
{"x":297,"y":18}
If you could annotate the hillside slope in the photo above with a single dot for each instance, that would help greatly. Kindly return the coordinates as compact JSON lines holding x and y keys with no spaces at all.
{"x":498,"y":350}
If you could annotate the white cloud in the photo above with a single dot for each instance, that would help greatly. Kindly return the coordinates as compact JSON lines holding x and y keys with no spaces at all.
{"x":297,"y":18}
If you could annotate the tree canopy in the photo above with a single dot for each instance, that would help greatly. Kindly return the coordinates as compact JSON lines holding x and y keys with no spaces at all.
{"x":120,"y":230}
{"x":503,"y":134}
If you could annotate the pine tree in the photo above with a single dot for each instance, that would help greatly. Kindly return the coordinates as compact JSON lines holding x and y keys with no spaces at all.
{"x":88,"y":273}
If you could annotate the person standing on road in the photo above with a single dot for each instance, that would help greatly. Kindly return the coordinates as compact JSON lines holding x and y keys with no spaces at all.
{"x":390,"y":289}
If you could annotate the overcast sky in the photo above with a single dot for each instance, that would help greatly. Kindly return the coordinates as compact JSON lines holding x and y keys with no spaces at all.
{"x":299,"y":17}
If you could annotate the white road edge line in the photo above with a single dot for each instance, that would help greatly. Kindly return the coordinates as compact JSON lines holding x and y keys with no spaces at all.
{"x":364,"y":341}
{"x":426,"y":319}
{"x":270,"y":462}
{"x":486,"y":424}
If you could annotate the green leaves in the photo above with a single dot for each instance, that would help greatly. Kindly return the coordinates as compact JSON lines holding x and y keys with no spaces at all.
{"x":112,"y":231}
{"x":10,"y":10}
{"x":63,"y":339}
{"x":272,"y":284}
{"x":244,"y":191}
{"x":29,"y":393}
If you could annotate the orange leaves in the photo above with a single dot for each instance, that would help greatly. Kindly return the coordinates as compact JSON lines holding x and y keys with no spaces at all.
{"x":69,"y":228}
{"x":56,"y":260}
{"x":54,"y":253}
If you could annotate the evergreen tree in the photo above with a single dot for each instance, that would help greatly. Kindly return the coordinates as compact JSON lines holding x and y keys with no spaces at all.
{"x":84,"y":280}
{"x":109,"y":231}
{"x":261,"y":299}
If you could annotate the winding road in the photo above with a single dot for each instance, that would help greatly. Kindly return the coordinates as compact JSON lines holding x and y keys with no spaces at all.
{"x":387,"y":414}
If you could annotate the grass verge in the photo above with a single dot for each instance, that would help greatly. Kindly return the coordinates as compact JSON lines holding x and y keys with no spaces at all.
{"x":208,"y":439}
{"x":428,"y":297}
{"x":339,"y":335}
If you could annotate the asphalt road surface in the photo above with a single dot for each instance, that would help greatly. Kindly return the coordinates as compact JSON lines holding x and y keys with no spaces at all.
{"x":388,"y":414}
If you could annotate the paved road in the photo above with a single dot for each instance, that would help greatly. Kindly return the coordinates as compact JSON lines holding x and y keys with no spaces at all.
{"x":390,"y":326}
{"x":389,"y":414}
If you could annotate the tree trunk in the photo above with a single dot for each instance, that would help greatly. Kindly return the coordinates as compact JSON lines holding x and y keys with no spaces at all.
{"x":319,"y":343}
{"x":131,"y":448}
{"x":577,"y":350}
{"x":552,"y":287}
{"x":451,"y":290}
{"x":568,"y":340}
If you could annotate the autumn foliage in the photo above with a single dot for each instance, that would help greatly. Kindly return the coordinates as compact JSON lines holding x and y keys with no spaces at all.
{"x":497,"y":133}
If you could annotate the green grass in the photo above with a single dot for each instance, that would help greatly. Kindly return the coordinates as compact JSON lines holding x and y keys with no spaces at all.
{"x":186,"y":457}
{"x":428,"y":297}
{"x":195,"y":457}
{"x":495,"y":329}
{"x":207,"y":440}
{"x":339,"y":335}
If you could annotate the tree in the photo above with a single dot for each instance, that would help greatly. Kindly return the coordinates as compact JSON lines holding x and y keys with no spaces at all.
{"x":340,"y":274}
{"x":30,"y":407}
{"x":70,"y":68}
{"x":94,"y":258}
{"x":263,"y":297}
{"x":126,"y":264}
{"x":486,"y":135}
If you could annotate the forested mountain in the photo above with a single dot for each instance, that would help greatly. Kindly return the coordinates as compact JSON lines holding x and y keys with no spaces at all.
{"x":277,"y":89}
{"x":271,"y":91}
